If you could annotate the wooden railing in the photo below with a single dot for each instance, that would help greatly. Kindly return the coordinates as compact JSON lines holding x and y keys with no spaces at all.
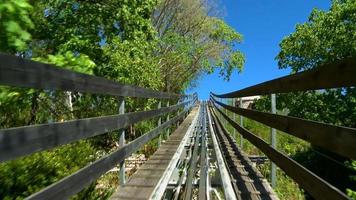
{"x":26,"y":140}
{"x":337,"y":139}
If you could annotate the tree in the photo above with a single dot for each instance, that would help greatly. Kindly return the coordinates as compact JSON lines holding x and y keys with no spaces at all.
{"x":14,"y":25}
{"x":194,"y":40}
{"x":328,"y":36}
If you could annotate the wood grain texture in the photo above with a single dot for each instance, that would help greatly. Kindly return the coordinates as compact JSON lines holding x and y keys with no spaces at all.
{"x":313,"y":184}
{"x":334,"y":75}
{"x":16,"y":142}
{"x":338,"y":139}
{"x":19,"y":72}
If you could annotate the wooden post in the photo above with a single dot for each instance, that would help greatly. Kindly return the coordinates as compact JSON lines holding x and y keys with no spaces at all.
{"x":121,"y":101}
{"x":242,"y":125}
{"x":159,"y":123}
{"x":225,"y":121}
{"x":167,"y":119}
{"x":234,"y":117}
{"x":177,"y":123}
{"x":273,"y":141}
{"x":179,"y":100}
{"x":220,"y":115}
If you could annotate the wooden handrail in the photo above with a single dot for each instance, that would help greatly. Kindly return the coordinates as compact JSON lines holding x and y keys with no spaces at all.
{"x":316,"y":186}
{"x":74,"y":183}
{"x":19,"y":72}
{"x":338,"y":139}
{"x":333,"y":75}
{"x":16,"y":142}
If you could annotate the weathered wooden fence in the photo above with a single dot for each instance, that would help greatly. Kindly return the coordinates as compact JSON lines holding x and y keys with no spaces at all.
{"x":337,"y":139}
{"x":26,"y":140}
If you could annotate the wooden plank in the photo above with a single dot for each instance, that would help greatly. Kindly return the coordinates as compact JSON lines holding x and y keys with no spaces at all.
{"x":19,"y":72}
{"x":148,"y":173}
{"x":16,"y":142}
{"x":337,"y":139}
{"x":313,"y":184}
{"x":334,"y":75}
{"x":143,"y":181}
{"x":74,"y":183}
{"x":132,"y":192}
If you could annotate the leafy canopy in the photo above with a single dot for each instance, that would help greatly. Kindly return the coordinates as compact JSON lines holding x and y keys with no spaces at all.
{"x":14,"y":25}
{"x":327,"y":36}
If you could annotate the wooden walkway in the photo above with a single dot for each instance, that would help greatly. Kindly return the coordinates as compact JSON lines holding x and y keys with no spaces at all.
{"x":143,"y":183}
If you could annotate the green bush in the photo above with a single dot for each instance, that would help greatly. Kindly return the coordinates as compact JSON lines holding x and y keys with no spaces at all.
{"x":25,"y":176}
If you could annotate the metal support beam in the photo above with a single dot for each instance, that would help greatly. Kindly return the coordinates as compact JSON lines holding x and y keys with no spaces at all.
{"x":121,"y":101}
{"x":203,"y":192}
{"x":273,"y":141}
{"x":224,"y":174}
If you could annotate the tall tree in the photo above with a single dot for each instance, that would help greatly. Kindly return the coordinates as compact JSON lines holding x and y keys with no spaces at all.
{"x":194,"y":40}
{"x":327,"y":36}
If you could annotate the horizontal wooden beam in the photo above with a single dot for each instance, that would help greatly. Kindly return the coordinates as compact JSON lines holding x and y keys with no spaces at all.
{"x":313,"y":184}
{"x":16,"y":142}
{"x":74,"y":183}
{"x":19,"y":72}
{"x":334,"y":75}
{"x":338,"y":139}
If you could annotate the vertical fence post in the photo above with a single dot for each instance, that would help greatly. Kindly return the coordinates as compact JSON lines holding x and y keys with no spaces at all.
{"x":242,"y":125}
{"x":186,"y":107}
{"x":222,"y":109}
{"x":179,"y":100}
{"x":273,"y":141}
{"x":226,"y":102}
{"x":159,"y":123}
{"x":121,"y":101}
{"x":234,"y":117}
{"x":223,"y":119}
{"x":167,"y":119}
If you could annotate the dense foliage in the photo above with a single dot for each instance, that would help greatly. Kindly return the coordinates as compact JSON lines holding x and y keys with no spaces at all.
{"x":14,"y":25}
{"x":163,"y":45}
{"x":193,"y":41}
{"x":327,"y":36}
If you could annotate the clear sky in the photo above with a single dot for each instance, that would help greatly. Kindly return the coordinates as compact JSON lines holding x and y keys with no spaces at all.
{"x":263,"y":24}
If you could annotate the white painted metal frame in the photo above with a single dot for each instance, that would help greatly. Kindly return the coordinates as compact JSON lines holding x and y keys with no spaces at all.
{"x":224,"y":174}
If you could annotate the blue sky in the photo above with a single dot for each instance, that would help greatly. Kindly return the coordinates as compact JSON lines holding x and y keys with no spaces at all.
{"x":263,"y":24}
